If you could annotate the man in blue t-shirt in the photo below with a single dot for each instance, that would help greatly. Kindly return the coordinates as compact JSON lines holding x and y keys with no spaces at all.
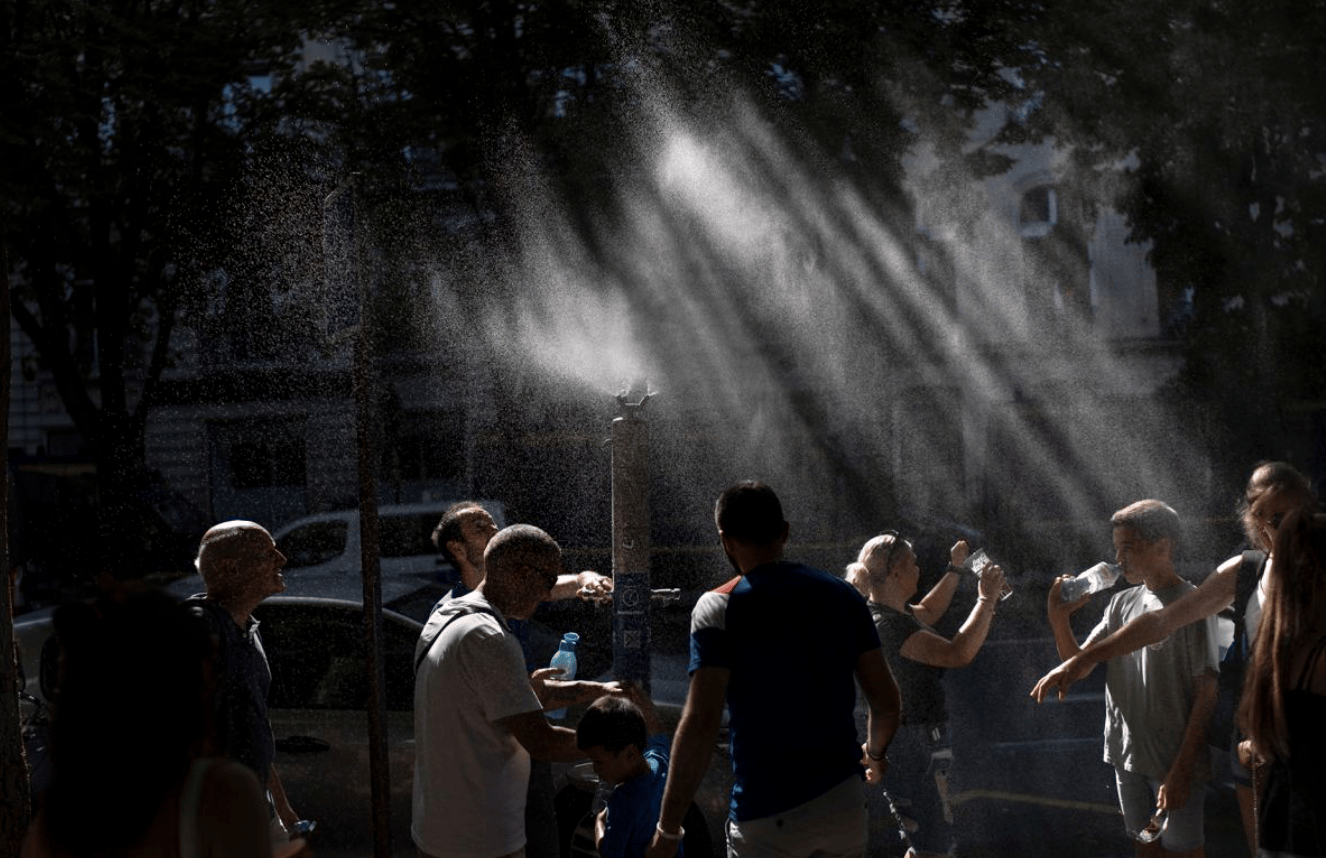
{"x":781,"y":645}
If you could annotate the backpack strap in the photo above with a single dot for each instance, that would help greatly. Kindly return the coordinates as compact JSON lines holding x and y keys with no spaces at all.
{"x":1251,"y":566}
{"x":431,"y":633}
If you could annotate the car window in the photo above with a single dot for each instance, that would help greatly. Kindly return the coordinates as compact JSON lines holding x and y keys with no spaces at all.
{"x":407,"y":535}
{"x":314,"y":543}
{"x":316,"y":654}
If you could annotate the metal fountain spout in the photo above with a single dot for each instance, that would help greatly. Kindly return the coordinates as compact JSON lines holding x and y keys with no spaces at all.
{"x":632,"y":400}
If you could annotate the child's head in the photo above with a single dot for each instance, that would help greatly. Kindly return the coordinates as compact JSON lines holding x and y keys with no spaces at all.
{"x":1146,"y":533}
{"x":612,"y":734}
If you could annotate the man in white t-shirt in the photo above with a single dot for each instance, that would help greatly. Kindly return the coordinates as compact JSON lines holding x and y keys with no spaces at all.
{"x":477,"y":721}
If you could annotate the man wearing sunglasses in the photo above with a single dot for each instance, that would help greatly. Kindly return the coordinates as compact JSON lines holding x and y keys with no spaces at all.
{"x":477,"y":721}
{"x":462,"y":536}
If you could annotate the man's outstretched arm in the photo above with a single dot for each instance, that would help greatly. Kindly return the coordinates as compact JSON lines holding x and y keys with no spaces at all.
{"x":1215,"y":593}
{"x":692,"y":749}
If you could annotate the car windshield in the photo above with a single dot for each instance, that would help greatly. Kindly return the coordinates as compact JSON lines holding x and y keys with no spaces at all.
{"x":314,"y":543}
{"x":407,"y":535}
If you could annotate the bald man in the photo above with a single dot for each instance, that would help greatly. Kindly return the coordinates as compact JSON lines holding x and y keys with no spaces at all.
{"x":240,"y":567}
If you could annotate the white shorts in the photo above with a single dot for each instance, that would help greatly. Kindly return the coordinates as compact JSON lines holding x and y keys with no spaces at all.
{"x":830,"y":826}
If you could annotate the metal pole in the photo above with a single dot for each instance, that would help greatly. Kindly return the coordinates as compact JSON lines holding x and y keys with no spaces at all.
{"x":630,"y":538}
{"x":342,"y":237}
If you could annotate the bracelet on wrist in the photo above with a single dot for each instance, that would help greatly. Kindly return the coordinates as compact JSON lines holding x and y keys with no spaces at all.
{"x":681,"y":832}
{"x":877,"y":757}
{"x":954,"y":568}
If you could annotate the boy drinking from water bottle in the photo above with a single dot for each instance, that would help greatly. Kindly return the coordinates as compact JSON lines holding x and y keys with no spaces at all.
{"x":625,"y":741}
{"x":1159,"y":699}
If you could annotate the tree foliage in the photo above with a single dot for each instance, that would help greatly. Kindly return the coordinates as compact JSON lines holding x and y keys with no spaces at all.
{"x":1205,"y":122}
{"x":127,"y":130}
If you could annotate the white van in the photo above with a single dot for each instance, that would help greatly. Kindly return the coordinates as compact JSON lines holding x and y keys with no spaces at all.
{"x":323,"y":555}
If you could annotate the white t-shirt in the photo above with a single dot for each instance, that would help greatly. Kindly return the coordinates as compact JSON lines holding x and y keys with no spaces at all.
{"x":470,"y":774}
{"x":1252,"y":615}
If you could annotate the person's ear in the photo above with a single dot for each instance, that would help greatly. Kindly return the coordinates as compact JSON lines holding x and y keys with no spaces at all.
{"x":1165,"y":548}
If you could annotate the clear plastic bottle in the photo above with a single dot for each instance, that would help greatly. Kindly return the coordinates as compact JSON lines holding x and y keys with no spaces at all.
{"x":1093,"y":580}
{"x":565,"y":658}
{"x":978,"y":561}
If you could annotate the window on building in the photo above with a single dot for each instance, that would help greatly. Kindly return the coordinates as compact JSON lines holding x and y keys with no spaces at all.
{"x":1055,"y":257}
{"x":1039,"y":212}
{"x":266,"y":463}
{"x":425,"y":445}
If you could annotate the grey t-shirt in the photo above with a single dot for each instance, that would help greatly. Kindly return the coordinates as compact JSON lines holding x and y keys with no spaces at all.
{"x":1149,"y":693}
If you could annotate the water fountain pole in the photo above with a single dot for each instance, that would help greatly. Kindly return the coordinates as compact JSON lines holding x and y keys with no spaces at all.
{"x":630,"y":537}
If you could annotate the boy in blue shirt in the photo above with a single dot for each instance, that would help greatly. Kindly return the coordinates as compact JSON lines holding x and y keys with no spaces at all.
{"x":624,"y":739}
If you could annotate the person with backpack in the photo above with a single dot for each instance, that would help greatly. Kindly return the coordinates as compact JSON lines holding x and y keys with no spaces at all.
{"x":477,"y":719}
{"x":1274,"y":490}
{"x":1284,"y":699}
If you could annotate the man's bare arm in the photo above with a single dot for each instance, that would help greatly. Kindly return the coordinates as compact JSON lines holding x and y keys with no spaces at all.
{"x":556,"y":693}
{"x":1215,"y":593}
{"x":1176,"y":789}
{"x":588,"y":585}
{"x":541,"y":739}
{"x":1059,"y":613}
{"x":280,"y":802}
{"x":692,"y":749}
{"x":885,"y":709}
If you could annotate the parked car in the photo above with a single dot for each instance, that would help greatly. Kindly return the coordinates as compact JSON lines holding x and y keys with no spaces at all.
{"x":318,"y":712}
{"x":323,"y":554}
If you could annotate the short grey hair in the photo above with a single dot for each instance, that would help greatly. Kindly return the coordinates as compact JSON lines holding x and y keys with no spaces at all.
{"x":518,"y":544}
{"x":1152,"y":520}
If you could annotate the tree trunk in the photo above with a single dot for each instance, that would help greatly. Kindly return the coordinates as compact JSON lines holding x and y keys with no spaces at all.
{"x":14,"y":797}
{"x":126,"y":527}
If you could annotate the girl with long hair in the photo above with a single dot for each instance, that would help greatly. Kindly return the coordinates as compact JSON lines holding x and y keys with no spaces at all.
{"x":1283,"y":708}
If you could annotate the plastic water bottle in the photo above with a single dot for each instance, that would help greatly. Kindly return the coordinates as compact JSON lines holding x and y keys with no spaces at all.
{"x":565,"y":658}
{"x":978,"y":561}
{"x":1093,"y":580}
